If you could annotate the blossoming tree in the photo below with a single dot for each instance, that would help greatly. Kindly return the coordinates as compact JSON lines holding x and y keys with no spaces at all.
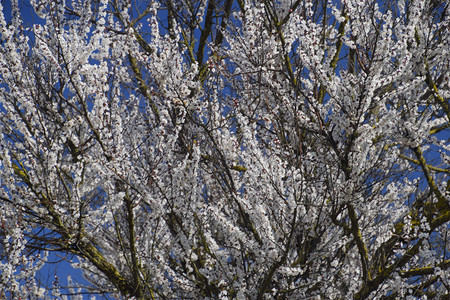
{"x":247,"y":149}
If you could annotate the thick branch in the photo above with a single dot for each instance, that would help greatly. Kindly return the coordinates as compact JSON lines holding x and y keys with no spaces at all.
{"x":356,"y":232}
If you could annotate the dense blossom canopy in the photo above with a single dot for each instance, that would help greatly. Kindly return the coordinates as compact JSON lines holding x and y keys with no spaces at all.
{"x":245,"y":149}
